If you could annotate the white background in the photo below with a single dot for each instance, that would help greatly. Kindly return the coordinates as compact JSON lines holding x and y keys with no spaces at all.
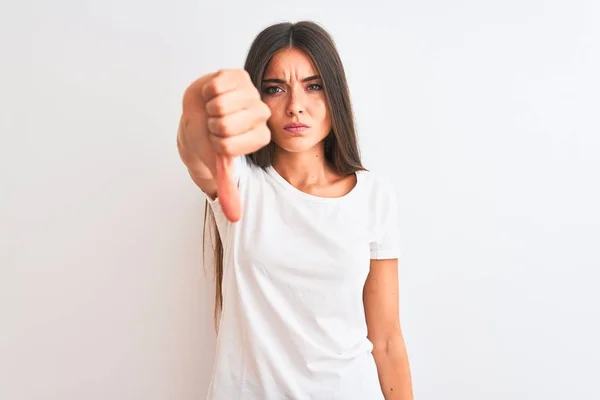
{"x":484,"y":113}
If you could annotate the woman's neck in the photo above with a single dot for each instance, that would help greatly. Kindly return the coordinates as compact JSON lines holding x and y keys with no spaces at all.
{"x":303,"y":169}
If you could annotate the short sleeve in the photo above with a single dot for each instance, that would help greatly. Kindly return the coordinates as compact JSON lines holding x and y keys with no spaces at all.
{"x":386,"y":243}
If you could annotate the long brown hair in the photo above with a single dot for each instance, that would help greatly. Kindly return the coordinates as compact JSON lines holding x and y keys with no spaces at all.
{"x":341,"y":144}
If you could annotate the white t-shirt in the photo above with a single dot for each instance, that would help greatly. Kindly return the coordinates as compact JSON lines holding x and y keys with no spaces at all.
{"x":293,"y":323}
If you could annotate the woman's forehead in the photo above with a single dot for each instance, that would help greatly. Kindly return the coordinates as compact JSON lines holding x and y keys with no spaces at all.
{"x":290,"y":63}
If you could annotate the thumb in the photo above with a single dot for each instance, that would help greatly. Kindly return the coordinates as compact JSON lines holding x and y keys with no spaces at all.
{"x":227,"y":191}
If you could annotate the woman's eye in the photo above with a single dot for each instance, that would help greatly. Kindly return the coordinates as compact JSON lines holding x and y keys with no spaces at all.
{"x":272,"y":90}
{"x":315,"y":86}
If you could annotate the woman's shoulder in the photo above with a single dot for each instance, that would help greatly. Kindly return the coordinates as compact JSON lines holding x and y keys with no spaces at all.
{"x":377,"y":184}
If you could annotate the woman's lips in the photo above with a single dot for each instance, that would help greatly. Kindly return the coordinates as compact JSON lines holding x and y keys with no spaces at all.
{"x":295,"y":128}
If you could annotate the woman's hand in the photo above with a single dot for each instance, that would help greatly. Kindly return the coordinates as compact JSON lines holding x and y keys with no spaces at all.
{"x":223,"y":117}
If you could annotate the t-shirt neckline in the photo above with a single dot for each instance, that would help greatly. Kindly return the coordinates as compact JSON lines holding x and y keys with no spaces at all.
{"x":272,"y":172}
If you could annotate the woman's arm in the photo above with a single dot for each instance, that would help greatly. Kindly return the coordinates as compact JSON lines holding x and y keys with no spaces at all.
{"x":380,"y":296}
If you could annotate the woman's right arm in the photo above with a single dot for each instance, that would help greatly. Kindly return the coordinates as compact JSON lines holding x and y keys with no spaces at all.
{"x":223,"y":117}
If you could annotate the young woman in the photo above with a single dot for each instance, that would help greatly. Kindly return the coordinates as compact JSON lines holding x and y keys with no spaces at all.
{"x":307,"y":256}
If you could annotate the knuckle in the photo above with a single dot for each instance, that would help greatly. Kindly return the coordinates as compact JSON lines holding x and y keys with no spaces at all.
{"x":209,"y":88}
{"x":218,"y":126}
{"x":218,"y":106}
{"x":265,"y":136}
{"x":262,"y":111}
{"x":216,"y":86}
{"x":266,"y":110}
{"x":211,"y":123}
{"x":255,"y":93}
{"x":247,"y":83}
{"x":222,"y":127}
{"x":210,"y":107}
{"x":225,"y":127}
{"x":244,"y":74}
{"x":227,"y":147}
{"x":217,"y":83}
{"x":221,"y":73}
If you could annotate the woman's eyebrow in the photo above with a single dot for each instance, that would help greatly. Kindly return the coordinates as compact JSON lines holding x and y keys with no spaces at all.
{"x":281,"y":81}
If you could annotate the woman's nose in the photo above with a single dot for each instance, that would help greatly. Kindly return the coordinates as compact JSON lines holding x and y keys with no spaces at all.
{"x":296,"y":104}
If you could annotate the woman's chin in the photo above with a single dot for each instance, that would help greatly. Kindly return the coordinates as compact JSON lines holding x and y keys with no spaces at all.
{"x":294,"y":143}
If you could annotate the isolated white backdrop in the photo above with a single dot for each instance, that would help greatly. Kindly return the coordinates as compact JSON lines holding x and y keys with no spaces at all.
{"x":484,"y":114}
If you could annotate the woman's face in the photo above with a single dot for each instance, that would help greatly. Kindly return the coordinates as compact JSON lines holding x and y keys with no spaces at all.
{"x":294,"y":92}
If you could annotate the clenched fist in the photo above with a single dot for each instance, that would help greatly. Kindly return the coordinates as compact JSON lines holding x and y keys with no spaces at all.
{"x":223,"y":117}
